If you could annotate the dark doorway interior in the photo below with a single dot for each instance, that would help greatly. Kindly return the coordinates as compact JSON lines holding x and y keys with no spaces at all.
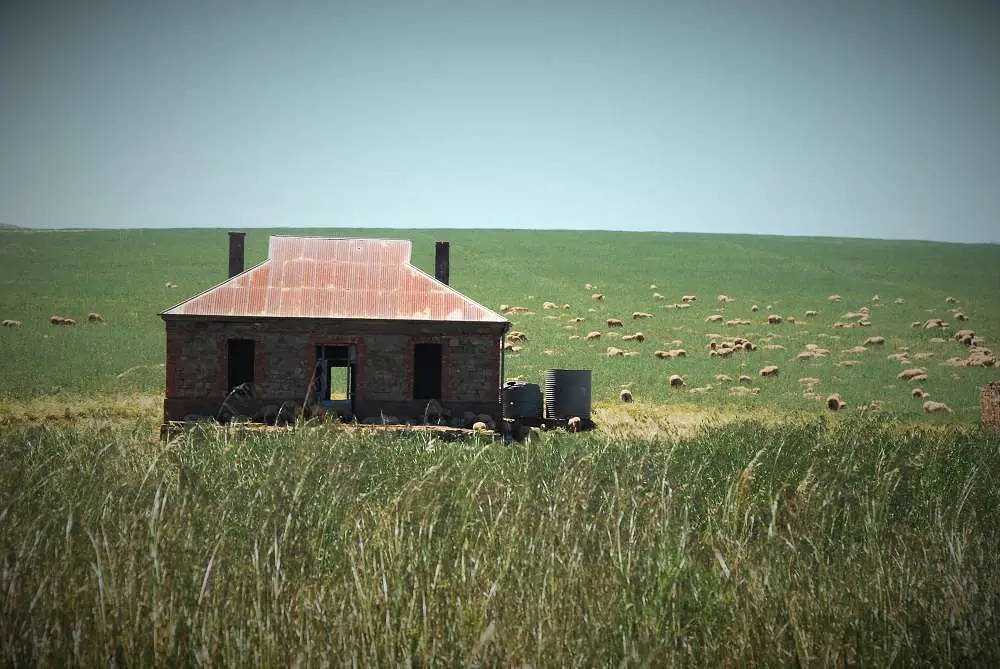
{"x":335,"y":376}
{"x":240,"y":356}
{"x":427,"y":371}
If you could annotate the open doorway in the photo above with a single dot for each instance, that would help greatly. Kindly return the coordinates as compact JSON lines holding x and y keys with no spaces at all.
{"x":427,"y":371}
{"x":240,"y":359}
{"x":335,"y":378}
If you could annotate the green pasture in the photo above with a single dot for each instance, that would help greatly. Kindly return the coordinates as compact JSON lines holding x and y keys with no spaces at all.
{"x":123,"y":275}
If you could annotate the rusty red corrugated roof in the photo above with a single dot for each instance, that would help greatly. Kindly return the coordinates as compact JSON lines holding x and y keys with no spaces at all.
{"x":315,"y":277}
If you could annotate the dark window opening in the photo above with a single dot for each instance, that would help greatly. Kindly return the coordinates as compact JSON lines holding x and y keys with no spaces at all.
{"x":427,"y":371}
{"x":240,"y":356}
{"x":335,"y":373}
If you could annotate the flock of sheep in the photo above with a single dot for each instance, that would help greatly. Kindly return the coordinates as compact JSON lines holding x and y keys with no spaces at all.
{"x":92,"y":317}
{"x":721,"y":346}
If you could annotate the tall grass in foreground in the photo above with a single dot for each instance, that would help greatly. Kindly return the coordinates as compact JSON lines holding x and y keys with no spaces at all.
{"x":816,"y":543}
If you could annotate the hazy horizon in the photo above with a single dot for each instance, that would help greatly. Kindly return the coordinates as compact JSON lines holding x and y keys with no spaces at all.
{"x":846,"y":119}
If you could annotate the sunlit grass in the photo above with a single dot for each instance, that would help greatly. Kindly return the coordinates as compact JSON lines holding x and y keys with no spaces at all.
{"x":818,"y":541}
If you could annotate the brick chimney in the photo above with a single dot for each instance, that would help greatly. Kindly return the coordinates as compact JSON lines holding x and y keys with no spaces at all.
{"x":236,"y":253}
{"x":441,"y":262}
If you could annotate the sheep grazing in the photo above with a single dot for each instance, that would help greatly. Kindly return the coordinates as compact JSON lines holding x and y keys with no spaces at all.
{"x":774,"y":319}
{"x":835,"y":403}
{"x":638,"y":336}
{"x":170,"y":284}
{"x":770,"y":370}
{"x":960,"y":316}
{"x":657,"y":296}
{"x":920,"y":393}
{"x":640,"y":314}
{"x":724,"y":378}
{"x":574,"y":424}
{"x":791,"y":319}
{"x":598,"y":296}
{"x":966,"y":337}
{"x":676,"y":381}
{"x":615,"y":352}
{"x":930,"y":406}
{"x":911,"y":373}
{"x":94,"y":317}
{"x":932,"y":323}
{"x":688,"y":298}
{"x":805,"y":355}
{"x":678,"y":353}
{"x":899,"y":300}
{"x":625,"y":395}
{"x":701,"y":389}
{"x":549,"y":305}
{"x":61,"y":320}
{"x":854,"y":349}
{"x":875,"y":298}
{"x":567,"y":307}
{"x":834,"y":298}
{"x":743,"y":391}
{"x":725,"y":298}
{"x":744,"y":379}
{"x":588,"y":286}
{"x":810,"y":313}
{"x":753,"y":307}
{"x":577,"y":319}
{"x":479,"y":426}
{"x":951,"y":300}
{"x":714,"y":318}
{"x":873,"y":340}
{"x":662,"y":355}
{"x":615,"y":323}
{"x":11,"y":323}
{"x":514,"y":335}
{"x":652,"y":286}
{"x":593,"y":335}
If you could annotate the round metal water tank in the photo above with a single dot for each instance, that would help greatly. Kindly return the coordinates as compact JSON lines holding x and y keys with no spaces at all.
{"x":521,"y":400}
{"x":567,"y":393}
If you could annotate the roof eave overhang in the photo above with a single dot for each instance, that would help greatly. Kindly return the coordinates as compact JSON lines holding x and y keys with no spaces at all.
{"x":223,"y":318}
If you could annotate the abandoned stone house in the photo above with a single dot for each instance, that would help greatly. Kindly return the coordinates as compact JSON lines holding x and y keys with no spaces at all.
{"x":345,"y":325}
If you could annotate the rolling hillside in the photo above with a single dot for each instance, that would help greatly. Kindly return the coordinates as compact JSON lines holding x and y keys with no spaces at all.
{"x":124,"y":276}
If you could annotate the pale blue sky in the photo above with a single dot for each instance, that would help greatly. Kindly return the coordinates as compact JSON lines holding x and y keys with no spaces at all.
{"x":861,"y":119}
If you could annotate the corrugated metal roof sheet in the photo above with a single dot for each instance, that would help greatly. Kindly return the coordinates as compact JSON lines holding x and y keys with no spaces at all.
{"x":313,"y":277}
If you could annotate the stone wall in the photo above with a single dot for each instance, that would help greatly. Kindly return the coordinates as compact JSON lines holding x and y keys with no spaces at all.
{"x":285,"y":355}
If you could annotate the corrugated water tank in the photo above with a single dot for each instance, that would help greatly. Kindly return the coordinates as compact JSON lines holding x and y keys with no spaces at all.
{"x":567,"y":393}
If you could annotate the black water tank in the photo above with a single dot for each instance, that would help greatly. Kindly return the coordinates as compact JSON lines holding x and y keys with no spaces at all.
{"x":521,"y":400}
{"x":567,"y":393}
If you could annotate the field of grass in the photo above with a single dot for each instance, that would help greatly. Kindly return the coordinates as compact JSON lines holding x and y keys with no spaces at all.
{"x":690,"y":529}
{"x":123,"y":274}
{"x":819,"y":543}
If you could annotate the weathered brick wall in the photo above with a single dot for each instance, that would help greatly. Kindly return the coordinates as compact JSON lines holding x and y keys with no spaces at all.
{"x":475,"y":368}
{"x":285,"y":354}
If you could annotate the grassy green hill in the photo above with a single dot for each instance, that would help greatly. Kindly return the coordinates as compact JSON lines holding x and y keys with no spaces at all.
{"x":124,"y":274}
